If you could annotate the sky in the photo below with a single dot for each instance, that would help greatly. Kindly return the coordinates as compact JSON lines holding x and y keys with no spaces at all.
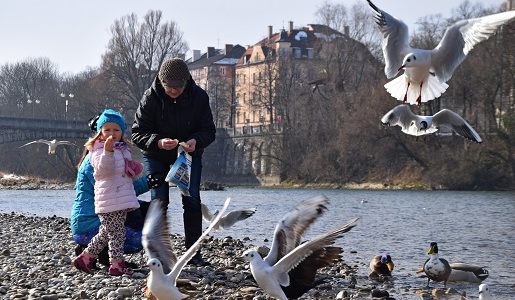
{"x":74,"y":34}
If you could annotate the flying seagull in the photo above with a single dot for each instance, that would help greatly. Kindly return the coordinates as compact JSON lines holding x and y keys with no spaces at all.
{"x":229,"y":219}
{"x":52,"y":145}
{"x":426,"y":71}
{"x":417,"y":125}
{"x":289,"y":269}
{"x":163,"y":263}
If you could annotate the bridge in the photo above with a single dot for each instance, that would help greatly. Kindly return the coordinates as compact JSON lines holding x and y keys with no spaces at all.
{"x":243,"y":155}
{"x":22,"y":129}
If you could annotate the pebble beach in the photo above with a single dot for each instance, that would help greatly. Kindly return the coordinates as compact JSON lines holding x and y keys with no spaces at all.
{"x":36,"y":263}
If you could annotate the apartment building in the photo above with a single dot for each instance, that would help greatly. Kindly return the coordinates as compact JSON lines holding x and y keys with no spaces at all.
{"x":214,"y":71}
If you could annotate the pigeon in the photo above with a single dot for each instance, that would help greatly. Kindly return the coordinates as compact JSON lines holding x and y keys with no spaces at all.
{"x":163,"y":263}
{"x":52,"y":145}
{"x":229,"y":219}
{"x":417,"y":125}
{"x":289,"y":269}
{"x":483,"y":292}
{"x":436,"y":268}
{"x":426,"y":71}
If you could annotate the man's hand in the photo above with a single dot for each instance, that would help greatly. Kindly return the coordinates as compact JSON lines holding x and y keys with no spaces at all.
{"x":109,"y":144}
{"x":167,"y":144}
{"x":189,"y":146}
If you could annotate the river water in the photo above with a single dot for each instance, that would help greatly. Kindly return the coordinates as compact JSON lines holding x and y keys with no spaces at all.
{"x":471,"y":227}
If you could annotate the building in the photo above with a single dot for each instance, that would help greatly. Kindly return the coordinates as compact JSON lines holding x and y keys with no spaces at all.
{"x":214,"y":72}
{"x":258,"y":71}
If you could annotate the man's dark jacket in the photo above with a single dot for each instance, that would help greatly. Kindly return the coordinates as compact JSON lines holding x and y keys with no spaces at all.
{"x":186,"y":117}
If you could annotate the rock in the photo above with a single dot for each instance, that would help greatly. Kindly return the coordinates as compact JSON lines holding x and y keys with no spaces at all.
{"x":376,"y":293}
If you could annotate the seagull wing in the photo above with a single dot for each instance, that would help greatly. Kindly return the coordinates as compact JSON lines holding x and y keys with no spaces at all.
{"x":450,"y":119}
{"x":395,"y":40}
{"x":156,"y":235}
{"x":400,"y":115}
{"x":183,"y":260}
{"x":465,"y":267}
{"x":65,"y":143}
{"x":460,"y":38}
{"x":206,"y":213}
{"x":292,"y":259}
{"x":292,"y":226}
{"x":37,"y":141}
{"x":235,"y":216}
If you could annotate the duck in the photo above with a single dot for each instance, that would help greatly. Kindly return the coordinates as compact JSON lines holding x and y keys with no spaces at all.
{"x":436,"y":268}
{"x":467,"y":273}
{"x":381,"y":265}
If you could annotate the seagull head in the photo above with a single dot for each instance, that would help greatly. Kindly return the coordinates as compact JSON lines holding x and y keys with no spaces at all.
{"x":411,"y":60}
{"x":155,"y":265}
{"x":250,"y":255}
{"x":483,"y":289}
{"x":423,"y":125}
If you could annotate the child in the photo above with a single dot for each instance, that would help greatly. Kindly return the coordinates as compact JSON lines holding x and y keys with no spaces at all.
{"x":114,"y":192}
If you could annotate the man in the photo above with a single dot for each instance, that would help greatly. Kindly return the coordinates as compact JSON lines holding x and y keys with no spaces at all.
{"x":174,"y":109}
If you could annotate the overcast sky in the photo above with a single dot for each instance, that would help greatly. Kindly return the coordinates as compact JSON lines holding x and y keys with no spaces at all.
{"x":74,"y":34}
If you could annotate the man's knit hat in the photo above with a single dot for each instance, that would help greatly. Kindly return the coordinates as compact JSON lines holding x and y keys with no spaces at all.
{"x":111,"y":116}
{"x":174,"y":73}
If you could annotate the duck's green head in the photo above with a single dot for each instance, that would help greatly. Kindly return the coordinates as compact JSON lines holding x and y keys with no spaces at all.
{"x":433,"y":248}
{"x":387,"y":260}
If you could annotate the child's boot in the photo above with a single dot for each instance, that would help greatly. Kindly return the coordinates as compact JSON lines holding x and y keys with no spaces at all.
{"x":118,"y":268}
{"x":84,"y":262}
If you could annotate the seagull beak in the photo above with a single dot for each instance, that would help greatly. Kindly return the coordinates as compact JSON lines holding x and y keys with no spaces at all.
{"x":402,"y":67}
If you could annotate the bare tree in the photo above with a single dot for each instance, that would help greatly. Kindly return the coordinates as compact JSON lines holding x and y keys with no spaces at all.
{"x":30,"y":88}
{"x":135,"y":53}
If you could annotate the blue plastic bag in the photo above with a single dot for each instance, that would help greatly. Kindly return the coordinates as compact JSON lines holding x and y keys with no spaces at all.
{"x":180,"y":172}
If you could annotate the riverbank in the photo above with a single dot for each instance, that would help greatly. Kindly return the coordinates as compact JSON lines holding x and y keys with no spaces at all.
{"x":36,"y":255}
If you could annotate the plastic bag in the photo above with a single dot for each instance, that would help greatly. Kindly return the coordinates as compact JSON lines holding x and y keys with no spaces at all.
{"x":180,"y":172}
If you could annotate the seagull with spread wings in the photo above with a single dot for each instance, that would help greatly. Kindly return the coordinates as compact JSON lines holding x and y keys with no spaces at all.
{"x":417,"y":125}
{"x":289,"y":269}
{"x":52,"y":145}
{"x":426,"y":71}
{"x":229,"y":219}
{"x":163,"y":263}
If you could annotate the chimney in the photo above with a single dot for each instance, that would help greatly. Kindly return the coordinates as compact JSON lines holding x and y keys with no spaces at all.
{"x":290,"y":28}
{"x":509,"y":5}
{"x":270,"y":31}
{"x":346,"y":30}
{"x":228,"y":48}
{"x":196,"y":55}
{"x":210,"y":52}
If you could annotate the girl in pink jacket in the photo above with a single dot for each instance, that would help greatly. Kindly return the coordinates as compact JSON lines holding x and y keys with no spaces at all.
{"x":114,"y":192}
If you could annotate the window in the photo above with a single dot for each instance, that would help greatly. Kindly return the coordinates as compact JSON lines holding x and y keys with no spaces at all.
{"x":254,"y":116}
{"x":296,"y":52}
{"x":222,"y":70}
{"x":244,"y":98}
{"x":253,"y":77}
{"x":310,"y":53}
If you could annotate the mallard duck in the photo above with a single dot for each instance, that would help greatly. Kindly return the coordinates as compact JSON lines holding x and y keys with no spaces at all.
{"x":467,"y":273}
{"x":381,"y":265}
{"x":436,"y":269}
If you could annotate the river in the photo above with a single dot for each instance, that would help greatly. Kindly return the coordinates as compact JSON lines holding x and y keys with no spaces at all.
{"x":471,"y":227}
